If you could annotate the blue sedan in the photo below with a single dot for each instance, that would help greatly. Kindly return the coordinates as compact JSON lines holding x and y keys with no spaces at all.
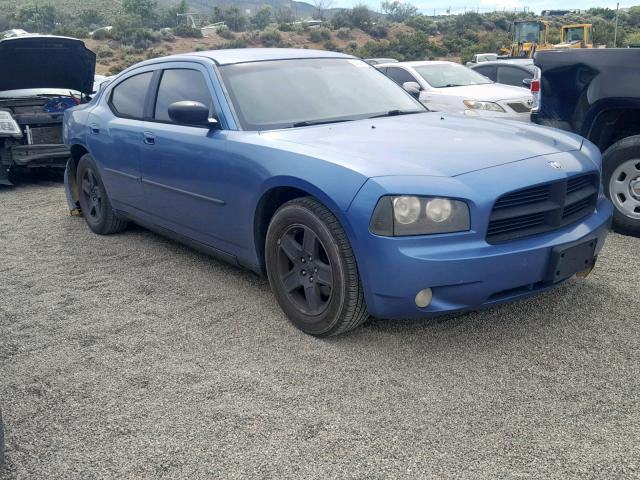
{"x":316,"y":170}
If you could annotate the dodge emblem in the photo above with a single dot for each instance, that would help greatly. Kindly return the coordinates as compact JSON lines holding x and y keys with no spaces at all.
{"x":555,"y":165}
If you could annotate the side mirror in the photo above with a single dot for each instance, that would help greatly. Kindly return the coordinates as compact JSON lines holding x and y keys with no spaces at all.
{"x":191,"y":113}
{"x":527,"y":82}
{"x":413,"y":88}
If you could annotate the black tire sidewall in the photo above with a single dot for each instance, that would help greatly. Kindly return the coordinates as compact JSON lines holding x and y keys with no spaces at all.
{"x":99,"y":225}
{"x":612,"y":158}
{"x":285,"y":218}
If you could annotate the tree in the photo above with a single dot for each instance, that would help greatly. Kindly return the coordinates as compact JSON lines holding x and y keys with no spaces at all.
{"x":262,"y":18}
{"x":37,"y":18}
{"x":142,"y":8}
{"x":90,"y":18}
{"x":284,"y":15}
{"x":321,"y":7}
{"x":235,"y":19}
{"x":397,"y":11}
{"x":360,"y":17}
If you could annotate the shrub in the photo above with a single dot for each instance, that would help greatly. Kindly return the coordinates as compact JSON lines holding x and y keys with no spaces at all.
{"x":71,"y":32}
{"x":270,"y":37}
{"x":379,"y":30}
{"x":187,"y":31}
{"x":225,"y":33}
{"x":101,"y":34}
{"x":329,"y":45}
{"x":156,"y":52}
{"x":285,"y":27}
{"x":104,"y":51}
{"x":344,"y":33}
{"x":237,"y":43}
{"x":319,"y":34}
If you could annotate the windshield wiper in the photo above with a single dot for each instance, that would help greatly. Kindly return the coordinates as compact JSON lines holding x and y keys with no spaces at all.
{"x":452,"y":85}
{"x":395,"y":113}
{"x":308,"y":123}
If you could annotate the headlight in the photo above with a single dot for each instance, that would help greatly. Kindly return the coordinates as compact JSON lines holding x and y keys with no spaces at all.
{"x":401,"y":215}
{"x":8,"y":125}
{"x":477,"y":105}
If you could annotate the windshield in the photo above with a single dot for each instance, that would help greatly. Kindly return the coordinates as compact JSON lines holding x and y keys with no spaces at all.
{"x":290,"y":93}
{"x":527,"y":32}
{"x":575,"y":34}
{"x":444,"y":75}
{"x":487,"y":57}
{"x":38,"y":92}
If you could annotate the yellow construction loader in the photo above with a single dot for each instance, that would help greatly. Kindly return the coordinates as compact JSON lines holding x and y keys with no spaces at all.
{"x":576,"y":36}
{"x":528,"y":36}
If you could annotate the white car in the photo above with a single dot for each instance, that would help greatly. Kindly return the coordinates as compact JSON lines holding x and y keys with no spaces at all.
{"x":453,"y":88}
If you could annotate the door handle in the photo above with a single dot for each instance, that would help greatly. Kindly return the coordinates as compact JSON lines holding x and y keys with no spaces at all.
{"x":95,"y":129}
{"x":149,"y":138}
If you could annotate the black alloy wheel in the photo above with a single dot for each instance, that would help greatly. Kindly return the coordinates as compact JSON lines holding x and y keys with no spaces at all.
{"x":312,"y":269}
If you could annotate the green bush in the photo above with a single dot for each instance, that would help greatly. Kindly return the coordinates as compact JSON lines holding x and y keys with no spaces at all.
{"x":329,"y":45}
{"x":104,"y":51}
{"x":225,"y":33}
{"x":156,"y":52}
{"x":101,"y":34}
{"x":187,"y":31}
{"x":270,"y":37}
{"x":344,"y":33}
{"x":237,"y":43}
{"x":319,"y":34}
{"x":71,"y":32}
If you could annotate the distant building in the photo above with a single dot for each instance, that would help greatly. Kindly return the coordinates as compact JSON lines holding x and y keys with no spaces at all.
{"x":558,"y":13}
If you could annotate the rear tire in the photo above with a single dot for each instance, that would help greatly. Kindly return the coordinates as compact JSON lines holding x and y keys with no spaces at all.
{"x":621,"y":179}
{"x":312,"y":270}
{"x":94,"y":202}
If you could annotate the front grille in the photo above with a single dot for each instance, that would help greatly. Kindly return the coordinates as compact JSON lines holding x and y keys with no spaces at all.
{"x":542,"y":208}
{"x":46,"y":135}
{"x":519,"y":107}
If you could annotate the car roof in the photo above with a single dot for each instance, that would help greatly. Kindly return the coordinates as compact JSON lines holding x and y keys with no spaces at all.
{"x":242,"y":55}
{"x":417,"y":63}
{"x":524,"y":63}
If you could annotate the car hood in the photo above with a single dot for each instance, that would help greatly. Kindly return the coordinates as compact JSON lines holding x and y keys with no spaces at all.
{"x":490,"y":92}
{"x":431,"y":144}
{"x":41,"y":61}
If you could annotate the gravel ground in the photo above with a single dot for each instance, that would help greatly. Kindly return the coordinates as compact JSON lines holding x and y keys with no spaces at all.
{"x":131,"y":356}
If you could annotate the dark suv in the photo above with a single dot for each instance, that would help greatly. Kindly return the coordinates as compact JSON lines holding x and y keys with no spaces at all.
{"x":596,"y":93}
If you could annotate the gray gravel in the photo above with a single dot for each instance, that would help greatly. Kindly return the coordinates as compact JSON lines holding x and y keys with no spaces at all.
{"x":131,"y":356}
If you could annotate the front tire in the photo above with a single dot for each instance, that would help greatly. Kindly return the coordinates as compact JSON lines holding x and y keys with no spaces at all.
{"x":621,"y":174}
{"x":94,"y":202}
{"x":312,"y":270}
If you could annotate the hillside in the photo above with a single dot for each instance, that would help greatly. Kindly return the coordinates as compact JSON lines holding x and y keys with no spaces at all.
{"x":146,"y":29}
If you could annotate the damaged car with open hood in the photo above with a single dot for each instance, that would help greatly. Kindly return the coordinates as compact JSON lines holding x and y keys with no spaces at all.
{"x":42,"y":76}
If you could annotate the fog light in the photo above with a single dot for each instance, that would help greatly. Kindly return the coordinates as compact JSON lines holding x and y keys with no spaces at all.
{"x":423,"y":298}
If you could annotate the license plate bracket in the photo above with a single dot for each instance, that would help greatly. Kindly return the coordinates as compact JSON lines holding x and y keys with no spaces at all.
{"x":567,"y":260}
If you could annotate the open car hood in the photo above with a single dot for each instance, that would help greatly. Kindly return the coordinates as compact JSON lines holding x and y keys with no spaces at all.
{"x":43,"y":61}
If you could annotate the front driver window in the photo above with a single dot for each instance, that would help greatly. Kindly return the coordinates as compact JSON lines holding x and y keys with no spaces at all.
{"x":178,"y":85}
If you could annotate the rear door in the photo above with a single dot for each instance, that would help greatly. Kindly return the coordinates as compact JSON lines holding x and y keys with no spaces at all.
{"x":115,"y":138}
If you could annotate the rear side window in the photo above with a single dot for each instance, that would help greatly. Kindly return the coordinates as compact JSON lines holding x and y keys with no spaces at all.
{"x":512,"y":76}
{"x":399,"y":75}
{"x":488,"y":71}
{"x":178,"y":85}
{"x":128,"y":97}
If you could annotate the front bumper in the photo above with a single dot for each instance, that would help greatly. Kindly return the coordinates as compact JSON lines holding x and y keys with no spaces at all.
{"x":32,"y":156}
{"x":469,"y":274}
{"x":463,"y":270}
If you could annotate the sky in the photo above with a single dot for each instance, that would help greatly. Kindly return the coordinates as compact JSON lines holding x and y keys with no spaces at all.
{"x":490,"y":5}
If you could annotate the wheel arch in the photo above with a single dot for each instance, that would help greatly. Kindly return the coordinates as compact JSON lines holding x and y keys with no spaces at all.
{"x":70,"y":181}
{"x":612,"y":121}
{"x":276,"y":194}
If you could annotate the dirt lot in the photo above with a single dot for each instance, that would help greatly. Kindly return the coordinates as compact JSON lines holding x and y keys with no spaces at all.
{"x":131,"y":356}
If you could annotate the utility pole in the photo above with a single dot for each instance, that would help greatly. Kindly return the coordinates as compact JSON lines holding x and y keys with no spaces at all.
{"x":615,"y":35}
